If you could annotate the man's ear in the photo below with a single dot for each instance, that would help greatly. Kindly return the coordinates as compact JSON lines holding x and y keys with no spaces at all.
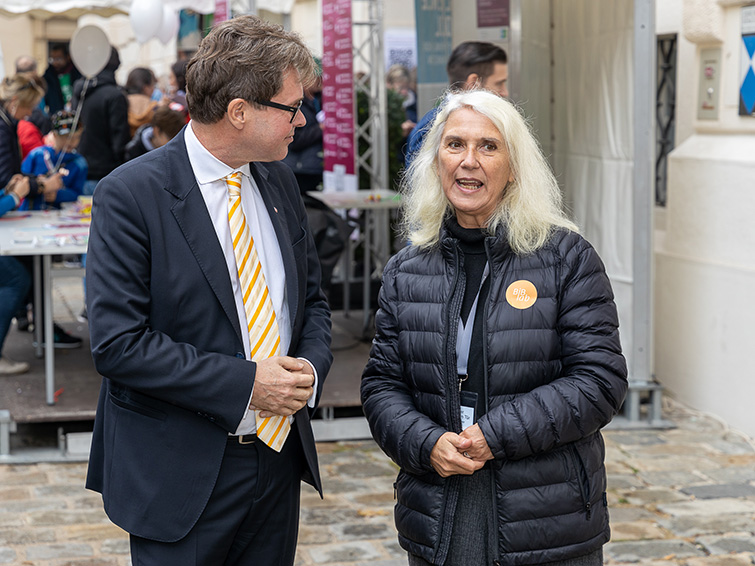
{"x":238,"y":112}
{"x":472,"y":81}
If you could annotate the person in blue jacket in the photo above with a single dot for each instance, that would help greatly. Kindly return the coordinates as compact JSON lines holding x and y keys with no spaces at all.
{"x":60,"y":159}
{"x":14,"y":279}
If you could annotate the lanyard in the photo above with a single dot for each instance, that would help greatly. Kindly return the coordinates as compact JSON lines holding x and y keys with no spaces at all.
{"x":464,"y":337}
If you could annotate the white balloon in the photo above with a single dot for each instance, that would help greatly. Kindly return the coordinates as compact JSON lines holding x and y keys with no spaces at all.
{"x":169,"y":26}
{"x":90,"y":50}
{"x":146,"y":17}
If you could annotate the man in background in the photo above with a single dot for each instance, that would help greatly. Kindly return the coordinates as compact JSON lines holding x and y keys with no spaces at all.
{"x":472,"y":64}
{"x":60,"y":75}
{"x":105,"y":112}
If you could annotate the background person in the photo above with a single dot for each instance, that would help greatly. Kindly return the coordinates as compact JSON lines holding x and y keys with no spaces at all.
{"x":305,"y":157}
{"x":182,"y":450}
{"x":32,"y":128}
{"x":140,"y":85}
{"x":165,"y":125}
{"x":178,"y":83}
{"x":472,"y":64}
{"x":18,"y":96}
{"x":61,"y":158}
{"x":105,"y":112}
{"x":305,"y":154}
{"x":60,"y":76}
{"x":14,"y":278}
{"x":398,"y":80}
{"x":496,"y":359}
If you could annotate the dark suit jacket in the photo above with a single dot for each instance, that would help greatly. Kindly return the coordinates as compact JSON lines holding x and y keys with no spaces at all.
{"x":166,"y":339}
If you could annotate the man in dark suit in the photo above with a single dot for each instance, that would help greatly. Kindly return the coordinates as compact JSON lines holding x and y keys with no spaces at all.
{"x":180,"y":448}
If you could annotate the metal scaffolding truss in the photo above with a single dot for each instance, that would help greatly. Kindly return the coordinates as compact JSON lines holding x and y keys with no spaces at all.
{"x":368,"y":55}
{"x":371,"y":135}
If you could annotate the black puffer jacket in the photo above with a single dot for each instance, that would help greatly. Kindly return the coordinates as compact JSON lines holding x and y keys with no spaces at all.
{"x":554,"y":376}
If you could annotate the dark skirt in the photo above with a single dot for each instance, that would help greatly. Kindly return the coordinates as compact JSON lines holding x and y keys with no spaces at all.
{"x":472,"y":540}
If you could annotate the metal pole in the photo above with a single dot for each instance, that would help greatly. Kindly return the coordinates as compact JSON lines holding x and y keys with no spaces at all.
{"x":37,"y":316}
{"x":643,"y":202}
{"x":515,"y":50}
{"x":49,"y":339}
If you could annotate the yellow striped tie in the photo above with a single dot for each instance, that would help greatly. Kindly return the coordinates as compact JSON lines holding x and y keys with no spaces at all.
{"x":264,"y":338}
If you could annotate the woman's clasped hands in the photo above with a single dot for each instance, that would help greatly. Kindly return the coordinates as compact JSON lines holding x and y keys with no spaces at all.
{"x":460,"y":454}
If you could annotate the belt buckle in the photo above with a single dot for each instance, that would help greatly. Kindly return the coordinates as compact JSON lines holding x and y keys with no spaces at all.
{"x":243,"y":438}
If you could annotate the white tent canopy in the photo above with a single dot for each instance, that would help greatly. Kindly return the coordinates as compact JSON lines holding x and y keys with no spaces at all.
{"x":77,"y":8}
{"x":106,"y":8}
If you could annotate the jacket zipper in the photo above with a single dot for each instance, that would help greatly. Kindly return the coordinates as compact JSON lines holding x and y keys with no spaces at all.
{"x":583,"y":480}
{"x":486,"y":376}
{"x":453,"y":412}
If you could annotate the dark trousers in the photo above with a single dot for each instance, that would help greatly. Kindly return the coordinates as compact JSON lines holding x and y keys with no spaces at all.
{"x":14,"y":282}
{"x":251,"y":518}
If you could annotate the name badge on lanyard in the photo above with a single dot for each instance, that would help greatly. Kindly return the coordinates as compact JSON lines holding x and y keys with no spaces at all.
{"x":463,"y":344}
{"x":468,"y":408}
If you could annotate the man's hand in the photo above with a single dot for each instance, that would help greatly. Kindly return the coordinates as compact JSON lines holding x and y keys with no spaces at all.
{"x":479,"y":449}
{"x":282,"y":386}
{"x":447,"y":456}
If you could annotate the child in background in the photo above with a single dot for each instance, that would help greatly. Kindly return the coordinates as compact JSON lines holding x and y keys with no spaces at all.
{"x":165,"y":124}
{"x":61,"y":158}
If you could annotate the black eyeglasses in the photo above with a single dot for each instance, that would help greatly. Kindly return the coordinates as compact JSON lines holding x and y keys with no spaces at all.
{"x":292,"y":109}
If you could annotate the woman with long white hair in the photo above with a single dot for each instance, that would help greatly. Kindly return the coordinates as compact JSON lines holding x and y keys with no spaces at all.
{"x":496,"y":359}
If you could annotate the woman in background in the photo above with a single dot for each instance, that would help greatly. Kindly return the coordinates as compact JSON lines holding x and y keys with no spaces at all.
{"x":18,"y":96}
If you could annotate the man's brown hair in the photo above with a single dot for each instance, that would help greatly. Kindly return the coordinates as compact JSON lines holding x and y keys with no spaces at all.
{"x":246,"y":58}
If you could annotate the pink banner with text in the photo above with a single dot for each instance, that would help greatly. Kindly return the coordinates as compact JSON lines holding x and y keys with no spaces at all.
{"x":338,"y":97}
{"x":222,"y":11}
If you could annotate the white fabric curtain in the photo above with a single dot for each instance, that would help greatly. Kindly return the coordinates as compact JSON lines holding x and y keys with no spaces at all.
{"x":593,"y":131}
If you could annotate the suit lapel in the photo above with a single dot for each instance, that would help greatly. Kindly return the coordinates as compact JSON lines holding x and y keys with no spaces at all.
{"x":276,"y":209}
{"x":194,"y":222}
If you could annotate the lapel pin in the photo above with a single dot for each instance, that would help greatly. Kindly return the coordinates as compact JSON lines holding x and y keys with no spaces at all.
{"x":276,"y":210}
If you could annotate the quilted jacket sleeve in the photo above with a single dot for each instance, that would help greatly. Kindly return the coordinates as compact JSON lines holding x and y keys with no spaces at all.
{"x":404,"y":434}
{"x":593,"y":380}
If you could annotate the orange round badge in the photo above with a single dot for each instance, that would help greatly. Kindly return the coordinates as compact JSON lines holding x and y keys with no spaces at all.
{"x":521,"y":294}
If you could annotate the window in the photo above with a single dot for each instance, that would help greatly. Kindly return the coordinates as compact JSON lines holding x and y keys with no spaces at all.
{"x":665,"y":111}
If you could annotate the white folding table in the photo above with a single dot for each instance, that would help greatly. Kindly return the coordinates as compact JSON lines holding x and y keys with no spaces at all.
{"x":43,"y":234}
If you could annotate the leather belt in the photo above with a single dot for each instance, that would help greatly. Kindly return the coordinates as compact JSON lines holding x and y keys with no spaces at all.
{"x":243,"y":439}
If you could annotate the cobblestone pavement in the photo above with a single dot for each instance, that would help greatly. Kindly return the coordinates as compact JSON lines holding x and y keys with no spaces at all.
{"x":679,"y":497}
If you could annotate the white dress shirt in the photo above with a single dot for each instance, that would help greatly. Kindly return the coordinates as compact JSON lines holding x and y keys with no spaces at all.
{"x":210,"y":173}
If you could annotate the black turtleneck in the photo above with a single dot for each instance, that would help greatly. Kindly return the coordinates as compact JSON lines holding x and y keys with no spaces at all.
{"x":472,"y":245}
